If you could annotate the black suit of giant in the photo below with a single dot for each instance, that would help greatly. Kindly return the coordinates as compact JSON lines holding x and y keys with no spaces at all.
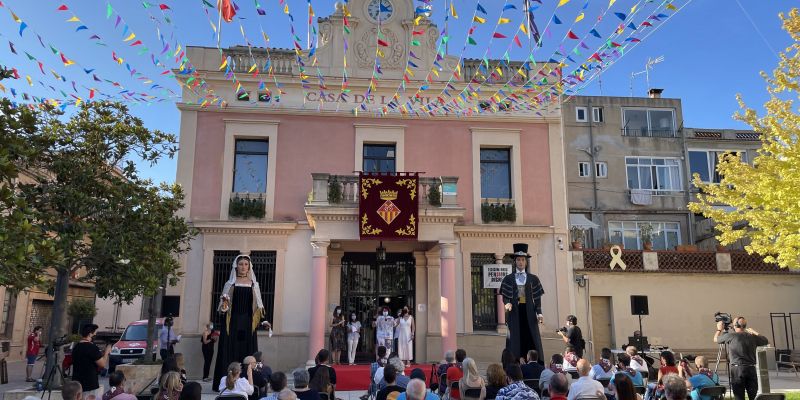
{"x":523,"y":321}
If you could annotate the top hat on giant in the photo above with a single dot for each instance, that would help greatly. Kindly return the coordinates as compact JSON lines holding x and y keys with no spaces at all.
{"x":521,"y":250}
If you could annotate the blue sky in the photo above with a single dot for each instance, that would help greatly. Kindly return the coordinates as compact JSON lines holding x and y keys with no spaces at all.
{"x":712,"y":49}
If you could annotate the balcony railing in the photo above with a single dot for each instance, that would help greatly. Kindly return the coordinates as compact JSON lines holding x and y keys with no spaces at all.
{"x":686,"y":261}
{"x":325,"y":193}
{"x":647,"y":132}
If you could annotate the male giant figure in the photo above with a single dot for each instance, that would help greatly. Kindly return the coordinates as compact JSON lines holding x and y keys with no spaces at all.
{"x":522,"y":295}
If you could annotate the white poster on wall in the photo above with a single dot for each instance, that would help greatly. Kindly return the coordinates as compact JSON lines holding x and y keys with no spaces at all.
{"x":493,"y":275}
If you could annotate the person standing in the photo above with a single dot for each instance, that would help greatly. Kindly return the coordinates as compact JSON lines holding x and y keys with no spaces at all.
{"x":353,"y":335}
{"x":405,"y":330}
{"x":572,"y":335}
{"x":241,"y":305}
{"x":167,"y":339}
{"x":32,"y":351}
{"x":741,"y":345}
{"x":87,"y":359}
{"x":338,"y":334}
{"x":208,"y":339}
{"x":522,"y":296}
{"x":384,"y":329}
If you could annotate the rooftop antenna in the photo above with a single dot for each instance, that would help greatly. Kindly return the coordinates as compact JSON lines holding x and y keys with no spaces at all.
{"x":647,"y":67}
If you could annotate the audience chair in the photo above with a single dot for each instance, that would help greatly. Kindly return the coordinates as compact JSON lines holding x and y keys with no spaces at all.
{"x":473,"y":393}
{"x":715,"y":392}
{"x":604,"y":381}
{"x":230,"y":397}
{"x":770,"y":396}
{"x":640,"y":389}
{"x":533,"y":384}
{"x":645,"y":375}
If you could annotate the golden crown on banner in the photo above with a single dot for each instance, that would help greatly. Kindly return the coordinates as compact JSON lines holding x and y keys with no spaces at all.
{"x":388,"y":194}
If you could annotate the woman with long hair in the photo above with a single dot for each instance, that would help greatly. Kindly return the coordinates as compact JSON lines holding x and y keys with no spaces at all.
{"x":234,"y":383}
{"x":242,"y":309}
{"x":496,"y":380}
{"x":623,"y":386}
{"x":208,"y":340}
{"x":471,"y":386}
{"x":321,"y":382}
{"x":507,"y":358}
{"x":170,"y":387}
{"x":405,"y":336}
{"x":338,"y":334}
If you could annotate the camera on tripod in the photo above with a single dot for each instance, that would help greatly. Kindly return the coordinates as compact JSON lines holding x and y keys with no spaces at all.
{"x":725,"y":318}
{"x":61,"y":341}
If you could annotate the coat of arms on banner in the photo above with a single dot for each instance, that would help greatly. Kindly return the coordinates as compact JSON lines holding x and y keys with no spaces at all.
{"x":388,"y":206}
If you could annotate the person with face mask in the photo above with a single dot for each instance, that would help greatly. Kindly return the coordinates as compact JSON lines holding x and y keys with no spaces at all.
{"x":384,"y":329}
{"x":338,"y":334}
{"x":353,"y":334}
{"x":208,"y":339}
{"x":405,"y":336}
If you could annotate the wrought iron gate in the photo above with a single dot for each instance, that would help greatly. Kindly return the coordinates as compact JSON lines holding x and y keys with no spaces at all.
{"x":367,"y":284}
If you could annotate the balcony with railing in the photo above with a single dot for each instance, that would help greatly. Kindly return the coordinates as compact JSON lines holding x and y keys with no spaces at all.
{"x":649,"y":132}
{"x":342,"y":191}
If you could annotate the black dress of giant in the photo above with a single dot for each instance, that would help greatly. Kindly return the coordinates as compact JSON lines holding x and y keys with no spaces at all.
{"x":522,"y":320}
{"x":237,"y":338}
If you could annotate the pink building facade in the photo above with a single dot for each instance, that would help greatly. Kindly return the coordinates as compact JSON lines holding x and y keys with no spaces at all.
{"x":257,"y":177}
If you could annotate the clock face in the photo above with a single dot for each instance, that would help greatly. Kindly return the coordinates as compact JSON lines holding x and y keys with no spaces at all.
{"x":380,"y":10}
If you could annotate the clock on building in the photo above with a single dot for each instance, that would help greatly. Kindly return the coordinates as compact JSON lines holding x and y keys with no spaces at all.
{"x":380,"y":10}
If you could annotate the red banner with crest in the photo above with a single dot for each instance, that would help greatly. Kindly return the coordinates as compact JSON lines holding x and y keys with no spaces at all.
{"x":388,"y":206}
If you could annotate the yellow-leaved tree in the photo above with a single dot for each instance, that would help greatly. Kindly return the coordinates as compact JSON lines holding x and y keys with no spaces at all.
{"x":764,"y":198}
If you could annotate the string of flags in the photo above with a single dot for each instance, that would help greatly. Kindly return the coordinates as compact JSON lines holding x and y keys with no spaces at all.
{"x":534,"y":52}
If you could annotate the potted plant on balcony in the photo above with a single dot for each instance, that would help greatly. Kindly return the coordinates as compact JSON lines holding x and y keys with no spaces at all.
{"x":335,"y":194}
{"x":646,"y":234}
{"x":577,"y":235}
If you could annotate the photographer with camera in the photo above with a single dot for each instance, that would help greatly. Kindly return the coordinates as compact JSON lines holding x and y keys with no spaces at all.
{"x":741,"y":345}
{"x":87,"y":360}
{"x":167,"y":338}
{"x":572,"y":335}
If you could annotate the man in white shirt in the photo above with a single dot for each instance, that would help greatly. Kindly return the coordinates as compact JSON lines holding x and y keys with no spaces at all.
{"x":166,"y":339}
{"x":584,"y":386}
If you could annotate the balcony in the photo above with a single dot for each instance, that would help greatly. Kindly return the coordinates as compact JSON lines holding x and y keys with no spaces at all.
{"x":681,"y":262}
{"x":342,"y":191}
{"x":647,"y":132}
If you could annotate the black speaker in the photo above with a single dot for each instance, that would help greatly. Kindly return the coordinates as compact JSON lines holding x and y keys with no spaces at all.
{"x":171,"y":305}
{"x":639,"y":305}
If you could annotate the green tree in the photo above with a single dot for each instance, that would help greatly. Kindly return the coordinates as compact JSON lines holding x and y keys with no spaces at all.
{"x":764,"y":196}
{"x":24,"y":246}
{"x":106,"y":224}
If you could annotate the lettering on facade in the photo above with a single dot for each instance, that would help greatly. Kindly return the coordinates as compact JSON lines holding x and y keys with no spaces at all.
{"x":331,"y":97}
{"x":493,"y":275}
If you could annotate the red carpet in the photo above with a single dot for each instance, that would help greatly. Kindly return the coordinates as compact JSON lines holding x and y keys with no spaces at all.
{"x":356,"y":377}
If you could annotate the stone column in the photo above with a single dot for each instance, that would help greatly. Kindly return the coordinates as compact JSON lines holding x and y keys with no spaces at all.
{"x":319,"y":291}
{"x":501,"y":310}
{"x":447,"y":259}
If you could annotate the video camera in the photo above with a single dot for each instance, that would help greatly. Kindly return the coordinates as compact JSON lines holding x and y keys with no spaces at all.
{"x":725,"y":318}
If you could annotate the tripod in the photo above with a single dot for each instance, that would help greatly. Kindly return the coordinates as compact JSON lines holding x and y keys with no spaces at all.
{"x":47,"y":388}
{"x":722,"y":347}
